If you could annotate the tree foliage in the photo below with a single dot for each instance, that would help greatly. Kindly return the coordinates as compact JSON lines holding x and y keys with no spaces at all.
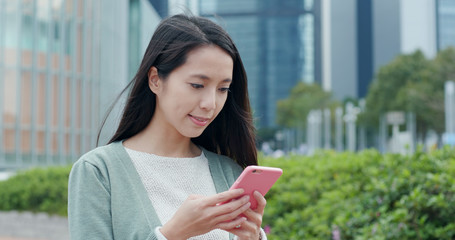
{"x":445,"y":64}
{"x":412,"y":83}
{"x":293,"y":111}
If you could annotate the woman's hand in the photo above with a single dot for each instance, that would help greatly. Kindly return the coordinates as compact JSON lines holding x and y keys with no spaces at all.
{"x":200,"y":214}
{"x":251,"y":228}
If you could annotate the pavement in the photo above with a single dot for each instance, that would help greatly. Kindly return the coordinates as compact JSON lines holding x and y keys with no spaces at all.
{"x":32,"y":226}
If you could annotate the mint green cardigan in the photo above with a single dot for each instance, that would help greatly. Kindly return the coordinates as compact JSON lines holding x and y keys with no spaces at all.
{"x":107,"y":200}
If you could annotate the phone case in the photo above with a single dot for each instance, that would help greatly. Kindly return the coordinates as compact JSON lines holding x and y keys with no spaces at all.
{"x":257,"y":178}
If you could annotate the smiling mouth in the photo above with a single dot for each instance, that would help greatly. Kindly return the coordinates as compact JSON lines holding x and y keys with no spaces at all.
{"x":199,"y":120}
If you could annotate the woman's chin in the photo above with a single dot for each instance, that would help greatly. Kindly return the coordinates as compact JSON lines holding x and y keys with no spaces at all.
{"x":194,"y":134}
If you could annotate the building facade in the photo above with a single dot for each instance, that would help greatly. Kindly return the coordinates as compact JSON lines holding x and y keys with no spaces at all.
{"x":62,"y":62}
{"x":445,"y":23}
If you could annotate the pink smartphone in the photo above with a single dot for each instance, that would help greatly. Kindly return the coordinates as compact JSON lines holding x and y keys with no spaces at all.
{"x":257,"y":178}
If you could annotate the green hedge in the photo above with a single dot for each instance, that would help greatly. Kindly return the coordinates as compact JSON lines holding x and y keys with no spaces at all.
{"x":363,"y":195}
{"x":37,"y":190}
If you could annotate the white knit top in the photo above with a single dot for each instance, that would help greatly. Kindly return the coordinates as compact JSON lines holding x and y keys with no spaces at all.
{"x":169,"y":181}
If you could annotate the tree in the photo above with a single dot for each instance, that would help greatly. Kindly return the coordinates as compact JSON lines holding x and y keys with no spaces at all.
{"x":412,"y":83}
{"x":444,"y":64}
{"x":293,"y":111}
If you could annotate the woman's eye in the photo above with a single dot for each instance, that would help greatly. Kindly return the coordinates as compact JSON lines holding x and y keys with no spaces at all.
{"x":225,"y":90}
{"x":195,"y":85}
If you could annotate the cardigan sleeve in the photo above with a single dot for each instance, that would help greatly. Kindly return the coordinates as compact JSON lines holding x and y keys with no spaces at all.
{"x":89,"y":208}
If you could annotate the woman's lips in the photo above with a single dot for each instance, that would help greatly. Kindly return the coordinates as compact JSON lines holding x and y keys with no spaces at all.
{"x":200,"y":121}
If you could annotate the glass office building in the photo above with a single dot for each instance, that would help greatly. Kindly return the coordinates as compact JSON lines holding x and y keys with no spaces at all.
{"x":62,"y":63}
{"x":446,"y":23}
{"x":279,"y":44}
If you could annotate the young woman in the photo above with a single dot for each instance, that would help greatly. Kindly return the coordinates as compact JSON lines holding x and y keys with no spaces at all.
{"x":185,"y":135}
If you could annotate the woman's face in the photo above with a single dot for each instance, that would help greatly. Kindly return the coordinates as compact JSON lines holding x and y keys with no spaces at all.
{"x":194,"y":93}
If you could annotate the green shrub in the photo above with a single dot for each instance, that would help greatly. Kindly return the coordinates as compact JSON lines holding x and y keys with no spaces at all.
{"x":38,"y":190}
{"x":363,"y":195}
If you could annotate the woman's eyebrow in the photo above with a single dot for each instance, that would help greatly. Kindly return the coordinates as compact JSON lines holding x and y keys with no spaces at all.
{"x":204,"y":77}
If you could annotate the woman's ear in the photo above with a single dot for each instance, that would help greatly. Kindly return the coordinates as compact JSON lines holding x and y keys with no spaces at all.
{"x":154,"y":80}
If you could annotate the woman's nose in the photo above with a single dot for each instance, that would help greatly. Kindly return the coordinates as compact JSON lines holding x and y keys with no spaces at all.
{"x":208,"y":100}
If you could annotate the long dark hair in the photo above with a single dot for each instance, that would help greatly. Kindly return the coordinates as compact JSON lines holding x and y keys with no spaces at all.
{"x":232,"y":132}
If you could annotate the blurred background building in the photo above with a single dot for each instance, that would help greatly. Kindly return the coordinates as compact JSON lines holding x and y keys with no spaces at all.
{"x":62,"y":63}
{"x":445,"y":23}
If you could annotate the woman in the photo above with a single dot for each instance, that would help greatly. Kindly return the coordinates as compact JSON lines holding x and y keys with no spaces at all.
{"x":185,"y":135}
